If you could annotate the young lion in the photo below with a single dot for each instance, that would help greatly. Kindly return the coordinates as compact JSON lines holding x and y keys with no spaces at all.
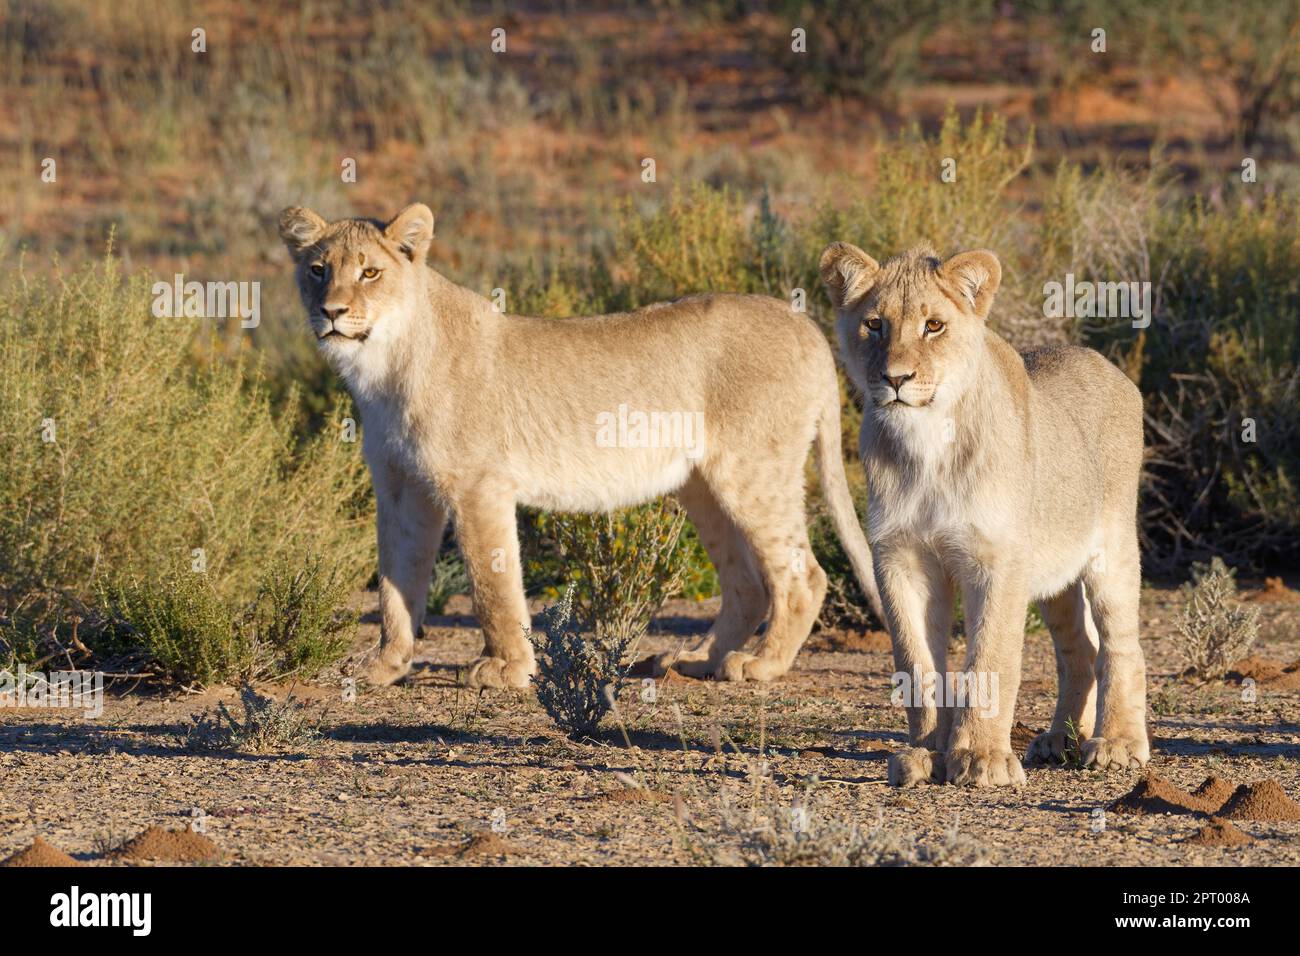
{"x":1013,"y":477}
{"x":469,"y":412}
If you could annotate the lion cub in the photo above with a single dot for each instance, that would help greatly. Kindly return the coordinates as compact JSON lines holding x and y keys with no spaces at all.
{"x":1012,"y":477}
{"x":469,"y":413}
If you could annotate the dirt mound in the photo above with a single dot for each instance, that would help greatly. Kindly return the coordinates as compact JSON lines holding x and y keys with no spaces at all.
{"x":1268,"y":673}
{"x":1264,"y":800}
{"x":860,"y":642}
{"x":173,"y":846}
{"x":40,"y":853}
{"x":480,"y":846}
{"x":1213,"y":791}
{"x":1219,"y":832}
{"x":1274,"y":590}
{"x":1154,"y":794}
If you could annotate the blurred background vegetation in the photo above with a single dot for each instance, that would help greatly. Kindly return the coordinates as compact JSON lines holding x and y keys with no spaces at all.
{"x":1123,"y":165}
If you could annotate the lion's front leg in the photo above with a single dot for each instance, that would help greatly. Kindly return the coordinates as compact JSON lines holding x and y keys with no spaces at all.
{"x":979,"y":747}
{"x":410,"y":528}
{"x":918,"y":610}
{"x":489,"y":540}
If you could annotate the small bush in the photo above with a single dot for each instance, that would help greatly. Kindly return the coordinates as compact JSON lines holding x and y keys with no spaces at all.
{"x":267,"y":725}
{"x":1215,"y":631}
{"x":181,"y":625}
{"x":578,"y":675}
{"x":700,"y":240}
{"x":299,"y":622}
{"x":623,"y":565}
{"x":296,"y":624}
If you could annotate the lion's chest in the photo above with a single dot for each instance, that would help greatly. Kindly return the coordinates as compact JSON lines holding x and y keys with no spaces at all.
{"x":929,"y":492}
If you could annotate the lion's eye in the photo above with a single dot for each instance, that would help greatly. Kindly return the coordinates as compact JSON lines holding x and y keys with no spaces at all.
{"x":934,"y":326}
{"x":317,"y":269}
{"x":873,"y":324}
{"x":369,"y":273}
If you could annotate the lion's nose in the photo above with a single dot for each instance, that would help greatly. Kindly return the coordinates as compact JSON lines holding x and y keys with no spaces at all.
{"x":332,"y":312}
{"x":898,"y":380}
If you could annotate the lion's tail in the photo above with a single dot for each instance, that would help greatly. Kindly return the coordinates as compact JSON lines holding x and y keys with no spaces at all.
{"x":839,"y":502}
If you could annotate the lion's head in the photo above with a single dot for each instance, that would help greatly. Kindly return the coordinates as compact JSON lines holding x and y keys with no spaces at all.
{"x":357,"y":277}
{"x":909,"y":327}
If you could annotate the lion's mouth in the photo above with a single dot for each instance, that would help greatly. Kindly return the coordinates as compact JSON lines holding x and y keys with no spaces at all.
{"x":335,"y":333}
{"x":903,"y":403}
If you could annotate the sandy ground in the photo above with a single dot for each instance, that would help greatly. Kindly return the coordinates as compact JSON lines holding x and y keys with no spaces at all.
{"x":411,"y":774}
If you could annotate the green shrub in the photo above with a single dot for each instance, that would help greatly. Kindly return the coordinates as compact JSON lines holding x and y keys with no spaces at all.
{"x":182,"y":628}
{"x":699,"y":240}
{"x":300,"y":621}
{"x":180,"y":625}
{"x":1220,"y":367}
{"x":130,"y":443}
{"x":623,"y":566}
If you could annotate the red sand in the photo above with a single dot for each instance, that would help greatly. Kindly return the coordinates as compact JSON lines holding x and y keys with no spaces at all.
{"x":1219,"y":832}
{"x":175,"y":846}
{"x":40,"y":853}
{"x":1261,"y":801}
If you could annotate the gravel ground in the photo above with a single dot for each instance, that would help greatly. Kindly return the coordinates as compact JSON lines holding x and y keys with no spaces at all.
{"x":429,"y":773}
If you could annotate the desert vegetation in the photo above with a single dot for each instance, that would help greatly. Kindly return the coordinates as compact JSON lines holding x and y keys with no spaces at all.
{"x":184,"y":500}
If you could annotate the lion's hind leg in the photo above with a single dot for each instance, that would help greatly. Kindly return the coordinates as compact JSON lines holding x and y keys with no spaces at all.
{"x":1114,"y":589}
{"x":1074,"y":636}
{"x":744,"y":596}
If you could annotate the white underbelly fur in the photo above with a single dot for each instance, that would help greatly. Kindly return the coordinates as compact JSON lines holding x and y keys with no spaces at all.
{"x":609,"y":480}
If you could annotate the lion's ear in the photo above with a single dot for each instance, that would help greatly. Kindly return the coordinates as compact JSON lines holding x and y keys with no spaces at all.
{"x":412,"y":230}
{"x":975,"y":277}
{"x":300,"y":228}
{"x":848,"y":273}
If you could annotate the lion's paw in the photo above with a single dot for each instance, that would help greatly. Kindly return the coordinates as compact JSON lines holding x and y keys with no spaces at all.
{"x":984,"y":768}
{"x":916,"y":765}
{"x":695,"y":664}
{"x":1048,"y":747}
{"x":381,"y":673}
{"x":1115,"y":753}
{"x":499,"y":673}
{"x":740,"y":666}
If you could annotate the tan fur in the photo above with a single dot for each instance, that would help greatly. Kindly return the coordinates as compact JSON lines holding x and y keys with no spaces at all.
{"x":470,"y":413}
{"x":1013,"y":477}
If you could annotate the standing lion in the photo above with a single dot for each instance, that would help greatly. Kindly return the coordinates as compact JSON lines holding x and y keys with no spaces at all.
{"x":470,"y":412}
{"x":1011,"y":477}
